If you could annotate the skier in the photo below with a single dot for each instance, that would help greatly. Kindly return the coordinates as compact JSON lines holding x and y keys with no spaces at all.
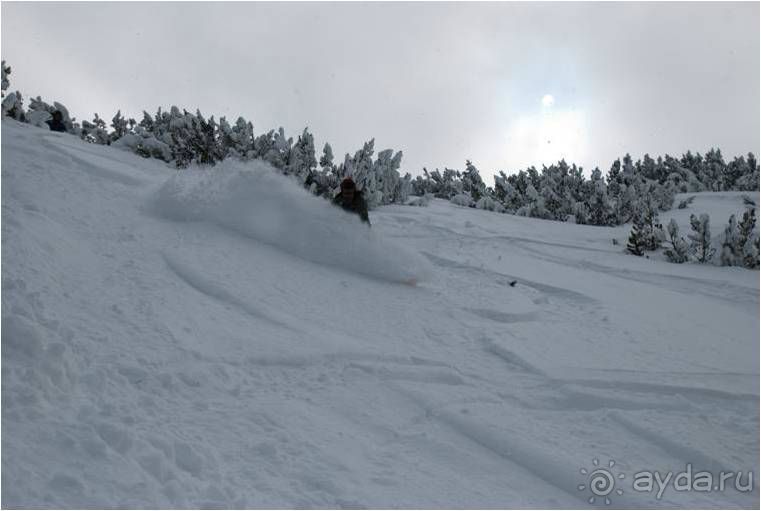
{"x":56,"y":123}
{"x":351,"y":199}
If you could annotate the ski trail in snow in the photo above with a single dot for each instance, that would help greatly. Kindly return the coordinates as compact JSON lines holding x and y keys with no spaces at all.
{"x":200,"y":283}
{"x":569,"y":296}
{"x":505,"y":445}
{"x":737,"y":295}
{"x":675,"y":449}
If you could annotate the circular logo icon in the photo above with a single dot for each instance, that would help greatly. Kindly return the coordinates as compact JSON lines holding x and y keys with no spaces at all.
{"x":600,"y":481}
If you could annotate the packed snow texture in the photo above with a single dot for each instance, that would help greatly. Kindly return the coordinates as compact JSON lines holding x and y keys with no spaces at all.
{"x":173,"y":344}
{"x":254,"y":200}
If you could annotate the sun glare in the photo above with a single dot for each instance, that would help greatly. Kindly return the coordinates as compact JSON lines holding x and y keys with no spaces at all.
{"x":548,"y":100}
{"x":547,"y":137}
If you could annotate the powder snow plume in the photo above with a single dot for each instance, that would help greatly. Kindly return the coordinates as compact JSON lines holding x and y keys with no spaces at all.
{"x":253,"y":200}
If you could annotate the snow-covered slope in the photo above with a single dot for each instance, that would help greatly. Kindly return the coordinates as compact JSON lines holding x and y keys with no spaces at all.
{"x":168,"y":343}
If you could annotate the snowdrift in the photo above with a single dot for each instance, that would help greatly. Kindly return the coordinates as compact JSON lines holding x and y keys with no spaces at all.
{"x":253,"y":200}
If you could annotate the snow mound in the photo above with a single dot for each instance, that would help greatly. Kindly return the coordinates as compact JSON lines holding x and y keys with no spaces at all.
{"x":253,"y":200}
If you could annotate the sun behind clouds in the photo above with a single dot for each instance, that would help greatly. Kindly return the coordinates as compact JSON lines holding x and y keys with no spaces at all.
{"x":546,"y":136}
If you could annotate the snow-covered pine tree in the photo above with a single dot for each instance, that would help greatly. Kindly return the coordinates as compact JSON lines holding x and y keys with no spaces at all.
{"x":552,"y":191}
{"x":4,"y":82}
{"x":628,"y":171}
{"x":95,"y":131}
{"x":451,"y":183}
{"x":750,"y":180}
{"x":600,"y":211}
{"x":748,"y":239}
{"x":207,"y":148}
{"x":700,"y":238}
{"x":403,"y":188}
{"x":654,"y":234}
{"x":692,"y":170}
{"x":13,"y":106}
{"x":638,"y":240}
{"x":506,"y":193}
{"x":472,"y":182}
{"x":488,"y":203}
{"x":119,"y":124}
{"x":360,"y":168}
{"x":731,"y":248}
{"x":227,"y":139}
{"x":243,"y":132}
{"x":39,"y":113}
{"x":326,"y":160}
{"x":647,"y":168}
{"x":182,"y":130}
{"x":147,"y":122}
{"x":713,"y":170}
{"x":463,"y":199}
{"x":686,"y":202}
{"x":614,"y":179}
{"x":236,"y":141}
{"x":264,"y":144}
{"x":386,"y":171}
{"x":534,"y":206}
{"x":324,"y":181}
{"x":733,"y":171}
{"x":663,"y":194}
{"x":581,"y":213}
{"x":679,"y":252}
{"x":273,"y":147}
{"x":68,"y":121}
{"x":301,"y":158}
{"x":143,"y":143}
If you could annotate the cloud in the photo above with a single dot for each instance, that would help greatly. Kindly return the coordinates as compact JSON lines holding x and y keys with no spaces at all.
{"x":441,"y":81}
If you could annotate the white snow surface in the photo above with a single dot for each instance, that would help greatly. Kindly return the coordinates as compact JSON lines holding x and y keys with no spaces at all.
{"x":220,"y":338}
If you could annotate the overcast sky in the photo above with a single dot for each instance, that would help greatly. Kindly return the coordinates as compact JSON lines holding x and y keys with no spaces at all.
{"x":503,"y":84}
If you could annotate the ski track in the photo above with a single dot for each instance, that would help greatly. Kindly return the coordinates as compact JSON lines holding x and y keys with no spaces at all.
{"x":737,"y":295}
{"x":132,"y":401}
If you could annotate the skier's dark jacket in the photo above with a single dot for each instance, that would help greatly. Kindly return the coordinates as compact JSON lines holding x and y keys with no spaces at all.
{"x":358,"y":205}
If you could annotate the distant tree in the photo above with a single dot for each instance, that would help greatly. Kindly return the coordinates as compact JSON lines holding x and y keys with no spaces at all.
{"x":747,"y":241}
{"x":679,"y":252}
{"x":686,"y":202}
{"x":713,"y":170}
{"x":326,"y":160}
{"x":301,"y":157}
{"x":637,"y":243}
{"x":731,"y":248}
{"x":749,"y":181}
{"x":96,"y":131}
{"x":600,"y":211}
{"x":700,"y":238}
{"x":119,"y":125}
{"x":5,"y":70}
{"x":472,"y":182}
{"x":506,"y":193}
{"x":274,"y":148}
{"x":654,"y":234}
{"x":13,"y":106}
{"x":388,"y":180}
{"x":39,"y":113}
{"x":360,"y":167}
